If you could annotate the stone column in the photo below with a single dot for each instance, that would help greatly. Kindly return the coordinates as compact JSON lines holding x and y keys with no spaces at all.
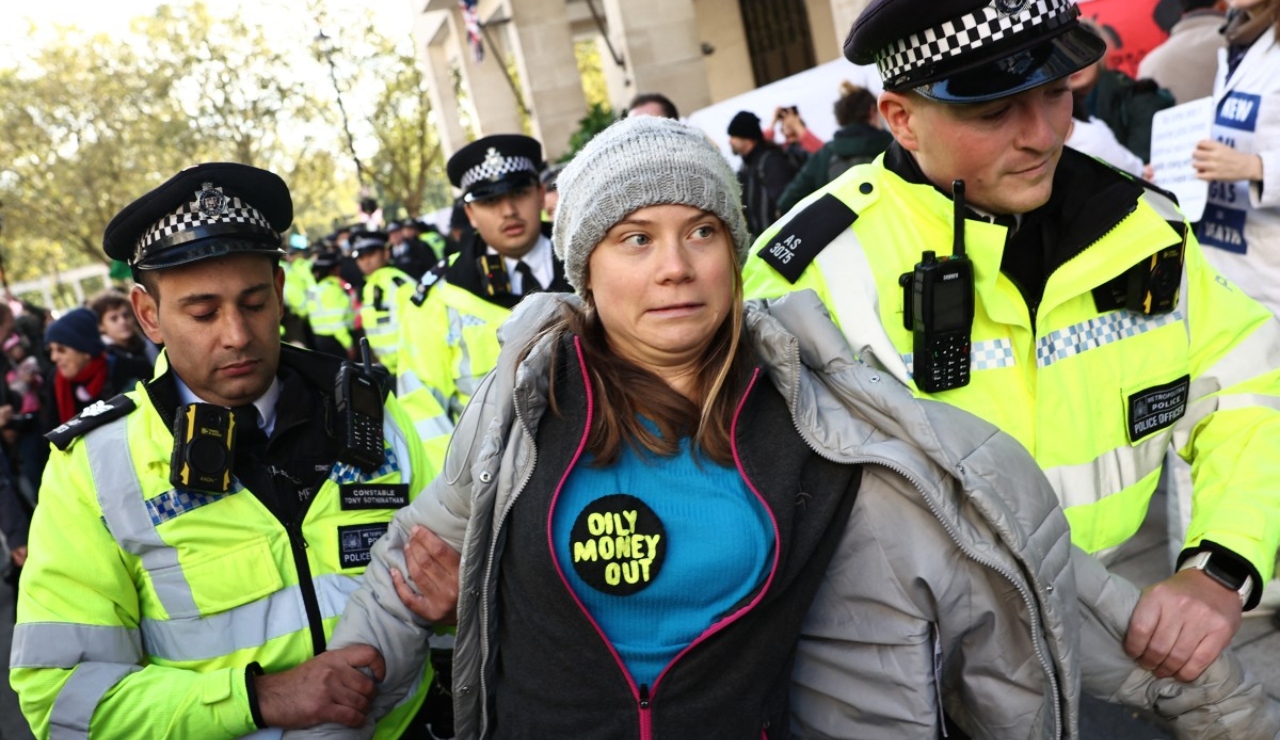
{"x":436,"y":48}
{"x":541,"y":45}
{"x":844,"y":13}
{"x":659,"y":41}
{"x":493,"y":102}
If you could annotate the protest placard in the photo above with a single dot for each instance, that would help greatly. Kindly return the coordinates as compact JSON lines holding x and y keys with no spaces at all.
{"x":1174,"y":134}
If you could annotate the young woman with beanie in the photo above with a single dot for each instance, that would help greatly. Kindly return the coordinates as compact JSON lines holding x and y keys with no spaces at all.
{"x":683,"y":517}
{"x":84,"y":371}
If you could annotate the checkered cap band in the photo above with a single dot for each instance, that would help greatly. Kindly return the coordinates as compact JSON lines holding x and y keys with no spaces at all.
{"x":494,"y":168}
{"x":983,"y":27}
{"x":188,"y":217}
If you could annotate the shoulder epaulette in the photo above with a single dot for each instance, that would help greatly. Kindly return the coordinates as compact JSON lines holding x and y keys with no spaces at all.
{"x":806,"y":234}
{"x":95,"y":415}
{"x":429,"y":278}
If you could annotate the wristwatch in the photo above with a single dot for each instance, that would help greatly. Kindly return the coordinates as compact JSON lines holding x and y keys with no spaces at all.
{"x":1206,"y":562}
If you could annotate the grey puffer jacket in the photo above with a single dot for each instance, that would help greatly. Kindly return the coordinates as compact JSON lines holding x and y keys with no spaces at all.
{"x":956,"y":588}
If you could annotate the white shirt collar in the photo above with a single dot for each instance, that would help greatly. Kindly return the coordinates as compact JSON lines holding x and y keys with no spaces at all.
{"x":265,"y":405}
{"x":539,"y":261}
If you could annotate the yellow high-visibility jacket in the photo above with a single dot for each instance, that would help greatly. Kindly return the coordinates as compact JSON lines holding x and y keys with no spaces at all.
{"x":298,"y":282}
{"x":142,"y":605}
{"x":330,"y":312}
{"x":1096,"y":396}
{"x":383,"y":297}
{"x":447,"y":345}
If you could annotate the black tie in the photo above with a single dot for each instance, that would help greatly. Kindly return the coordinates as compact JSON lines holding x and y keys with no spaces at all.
{"x":528,"y":283}
{"x":248,"y":434}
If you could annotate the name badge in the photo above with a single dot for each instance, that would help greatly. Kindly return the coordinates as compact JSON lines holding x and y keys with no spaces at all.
{"x":1157,"y":407}
{"x":355,"y":542}
{"x":359,"y":496}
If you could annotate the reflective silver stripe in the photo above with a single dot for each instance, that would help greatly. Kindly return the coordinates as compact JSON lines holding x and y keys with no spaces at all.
{"x":468,"y":384}
{"x":989,"y":354}
{"x":79,"y":697}
{"x":395,"y":437}
{"x":855,"y":303}
{"x":1097,"y":332}
{"x":457,"y":321}
{"x":1248,"y":401}
{"x":407,"y":382}
{"x":271,"y":733}
{"x":380,"y":330}
{"x":66,"y":645}
{"x":1164,"y":207}
{"x":436,"y":426}
{"x":1111,"y":472}
{"x":120,"y":498}
{"x":247,"y":626}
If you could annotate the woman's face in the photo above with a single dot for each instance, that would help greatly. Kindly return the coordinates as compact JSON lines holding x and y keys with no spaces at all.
{"x":70,"y":362}
{"x":118,"y":324}
{"x":663,"y":283}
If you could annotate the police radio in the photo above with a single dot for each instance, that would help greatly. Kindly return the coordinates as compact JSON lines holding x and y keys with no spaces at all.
{"x":937,"y":304}
{"x":203,"y":448}
{"x":493,"y":275}
{"x":358,"y":400}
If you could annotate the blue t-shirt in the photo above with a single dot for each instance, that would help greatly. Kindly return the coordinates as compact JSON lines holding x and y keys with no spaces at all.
{"x":658,"y":549}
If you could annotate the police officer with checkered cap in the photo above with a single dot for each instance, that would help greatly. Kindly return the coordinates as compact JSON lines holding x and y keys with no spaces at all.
{"x":508,"y":257}
{"x":1062,"y":248}
{"x":226,"y":485}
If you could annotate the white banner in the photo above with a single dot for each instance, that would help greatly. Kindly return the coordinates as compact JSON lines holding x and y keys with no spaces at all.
{"x":1174,"y":134}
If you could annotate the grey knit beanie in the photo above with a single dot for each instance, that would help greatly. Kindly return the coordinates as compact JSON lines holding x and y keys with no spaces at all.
{"x":639,"y":162}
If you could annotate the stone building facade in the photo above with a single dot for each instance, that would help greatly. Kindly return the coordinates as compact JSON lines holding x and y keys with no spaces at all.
{"x":696,"y":52}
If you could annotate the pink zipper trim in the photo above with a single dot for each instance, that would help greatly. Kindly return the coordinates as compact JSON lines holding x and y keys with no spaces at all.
{"x":644,"y":704}
{"x":773,"y":570}
{"x":555,"y":560}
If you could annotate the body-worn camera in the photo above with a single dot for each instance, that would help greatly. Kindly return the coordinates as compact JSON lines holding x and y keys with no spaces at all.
{"x":493,"y":275}
{"x":203,"y":449}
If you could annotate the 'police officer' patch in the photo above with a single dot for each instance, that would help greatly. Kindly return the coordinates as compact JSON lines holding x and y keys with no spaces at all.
{"x":618,"y":544}
{"x":1157,"y":407}
{"x":356,"y":496}
{"x":355,"y":541}
{"x":807,"y":234}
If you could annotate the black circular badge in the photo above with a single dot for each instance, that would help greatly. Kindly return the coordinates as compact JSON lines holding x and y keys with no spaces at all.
{"x":618,"y":544}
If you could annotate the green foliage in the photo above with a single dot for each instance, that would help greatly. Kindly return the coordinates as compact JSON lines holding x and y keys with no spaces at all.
{"x":598,"y":118}
{"x":90,"y":122}
{"x":594,"y":87}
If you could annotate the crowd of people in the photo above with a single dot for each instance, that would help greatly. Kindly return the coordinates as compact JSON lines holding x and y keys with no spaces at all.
{"x":833,"y":446}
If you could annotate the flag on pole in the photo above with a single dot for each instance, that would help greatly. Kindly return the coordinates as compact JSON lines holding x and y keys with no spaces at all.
{"x":472,"y":20}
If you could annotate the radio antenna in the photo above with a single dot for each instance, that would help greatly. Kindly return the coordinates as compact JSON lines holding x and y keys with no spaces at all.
{"x":366,"y":356}
{"x":957,"y":196}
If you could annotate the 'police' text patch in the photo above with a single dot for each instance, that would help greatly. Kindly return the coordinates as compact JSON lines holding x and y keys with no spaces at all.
{"x":618,"y":544}
{"x":354,"y":542}
{"x":1157,"y":407}
{"x":356,"y":496}
{"x":800,"y":240}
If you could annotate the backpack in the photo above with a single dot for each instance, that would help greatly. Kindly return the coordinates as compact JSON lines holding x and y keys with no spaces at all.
{"x":1128,"y":105}
{"x":838,"y":165}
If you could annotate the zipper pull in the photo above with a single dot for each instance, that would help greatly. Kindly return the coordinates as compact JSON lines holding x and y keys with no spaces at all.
{"x":644,"y":696}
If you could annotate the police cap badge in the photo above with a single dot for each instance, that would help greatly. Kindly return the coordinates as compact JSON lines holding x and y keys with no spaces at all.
{"x":204,"y":211}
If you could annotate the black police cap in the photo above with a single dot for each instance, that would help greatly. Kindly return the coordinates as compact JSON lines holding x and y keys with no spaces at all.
{"x":327,"y":259}
{"x":971,"y":51}
{"x":205,"y":211}
{"x":368,"y":240}
{"x":495,"y":165}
